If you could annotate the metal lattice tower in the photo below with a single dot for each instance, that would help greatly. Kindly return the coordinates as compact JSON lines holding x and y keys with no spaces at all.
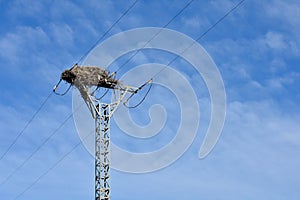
{"x":102,"y":150}
{"x":102,"y":112}
{"x":85,"y":78}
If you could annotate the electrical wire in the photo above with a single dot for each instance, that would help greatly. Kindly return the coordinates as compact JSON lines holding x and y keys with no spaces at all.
{"x":25,"y":127}
{"x":172,"y":19}
{"x":52,"y":167}
{"x":106,"y":32}
{"x":158,"y":32}
{"x":96,"y":43}
{"x":44,"y":102}
{"x":136,"y":52}
{"x":38,"y":148}
{"x":201,"y":36}
{"x":143,"y":99}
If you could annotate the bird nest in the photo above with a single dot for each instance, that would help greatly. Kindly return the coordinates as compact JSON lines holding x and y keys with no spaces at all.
{"x":89,"y":76}
{"x":85,"y":77}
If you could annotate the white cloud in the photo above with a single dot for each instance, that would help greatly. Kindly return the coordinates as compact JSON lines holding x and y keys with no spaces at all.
{"x":275,"y":40}
{"x":222,"y":6}
{"x":283,"y":81}
{"x":62,"y":34}
{"x":26,"y":8}
{"x":15,"y":45}
{"x":192,"y":22}
{"x":288,"y":11}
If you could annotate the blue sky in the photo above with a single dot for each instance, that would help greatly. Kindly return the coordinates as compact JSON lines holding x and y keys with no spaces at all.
{"x":256,"y":49}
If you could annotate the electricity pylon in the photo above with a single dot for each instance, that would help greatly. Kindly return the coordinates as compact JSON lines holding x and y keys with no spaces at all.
{"x":102,"y":112}
{"x":85,"y":78}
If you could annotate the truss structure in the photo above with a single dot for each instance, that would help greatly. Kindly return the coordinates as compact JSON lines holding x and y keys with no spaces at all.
{"x":84,"y":78}
{"x":102,"y":112}
{"x":102,"y":145}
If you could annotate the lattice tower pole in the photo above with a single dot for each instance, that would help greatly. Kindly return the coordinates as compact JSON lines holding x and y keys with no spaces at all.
{"x":84,"y":78}
{"x":102,"y":151}
{"x":102,"y":112}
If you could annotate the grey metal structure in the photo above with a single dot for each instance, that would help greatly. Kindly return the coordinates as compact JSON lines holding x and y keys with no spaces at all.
{"x":84,"y":78}
{"x":102,"y":145}
{"x":102,"y":113}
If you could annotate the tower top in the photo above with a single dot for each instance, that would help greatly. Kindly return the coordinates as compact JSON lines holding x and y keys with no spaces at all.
{"x":89,"y":76}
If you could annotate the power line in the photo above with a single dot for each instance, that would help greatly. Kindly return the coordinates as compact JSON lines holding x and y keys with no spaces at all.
{"x":201,"y":36}
{"x":36,"y":150}
{"x":61,"y":125}
{"x":44,"y":102}
{"x":158,"y":32}
{"x":105,"y":33}
{"x":172,"y":19}
{"x":27,"y":124}
{"x":52,"y":167}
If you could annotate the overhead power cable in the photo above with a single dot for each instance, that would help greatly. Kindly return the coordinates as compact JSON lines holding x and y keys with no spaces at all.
{"x":83,"y":56}
{"x":42,"y":105}
{"x":201,"y":36}
{"x":96,"y":43}
{"x":74,"y":147}
{"x":136,"y":52}
{"x":52,"y":167}
{"x":106,"y":32}
{"x":156,"y":34}
{"x":36,"y":150}
{"x":25,"y":127}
